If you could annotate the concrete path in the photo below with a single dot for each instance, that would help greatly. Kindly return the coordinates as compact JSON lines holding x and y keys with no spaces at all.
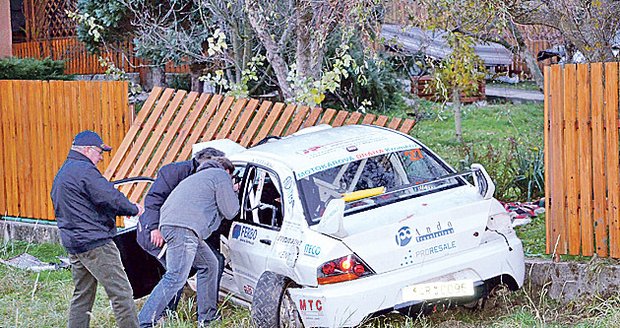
{"x":515,"y":95}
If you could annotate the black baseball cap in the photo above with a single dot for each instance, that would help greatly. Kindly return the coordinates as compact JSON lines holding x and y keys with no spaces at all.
{"x":90,"y":138}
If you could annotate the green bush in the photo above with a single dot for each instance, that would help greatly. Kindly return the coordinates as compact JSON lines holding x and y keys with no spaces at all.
{"x":517,"y":170}
{"x":377,"y":83}
{"x":32,"y":69}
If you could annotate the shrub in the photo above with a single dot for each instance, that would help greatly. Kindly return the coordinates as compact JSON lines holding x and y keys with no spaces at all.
{"x":32,"y":69}
{"x":517,"y":170}
{"x":377,"y":83}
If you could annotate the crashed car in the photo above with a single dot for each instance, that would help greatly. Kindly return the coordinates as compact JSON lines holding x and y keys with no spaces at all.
{"x":340,"y":224}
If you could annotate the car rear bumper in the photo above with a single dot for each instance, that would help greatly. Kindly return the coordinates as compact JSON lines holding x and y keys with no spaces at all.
{"x":348,"y":303}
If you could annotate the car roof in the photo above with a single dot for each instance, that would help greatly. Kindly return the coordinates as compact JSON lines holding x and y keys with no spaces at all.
{"x":319,"y":148}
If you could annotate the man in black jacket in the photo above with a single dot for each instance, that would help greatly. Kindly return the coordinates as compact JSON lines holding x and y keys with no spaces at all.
{"x":169,"y":176}
{"x":86,"y":206}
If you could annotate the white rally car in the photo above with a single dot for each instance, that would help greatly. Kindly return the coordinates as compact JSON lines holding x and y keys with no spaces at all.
{"x":338,"y":224}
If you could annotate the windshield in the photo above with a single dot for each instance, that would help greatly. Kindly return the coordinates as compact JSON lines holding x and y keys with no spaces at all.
{"x":375,"y":181}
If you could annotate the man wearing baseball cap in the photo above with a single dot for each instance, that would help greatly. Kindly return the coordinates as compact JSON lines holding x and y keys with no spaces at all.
{"x":86,"y":206}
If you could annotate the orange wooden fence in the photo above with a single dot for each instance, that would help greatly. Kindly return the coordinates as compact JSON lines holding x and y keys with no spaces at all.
{"x":581,"y":159}
{"x":79,"y":61}
{"x":38,"y":122}
{"x":171,"y":121}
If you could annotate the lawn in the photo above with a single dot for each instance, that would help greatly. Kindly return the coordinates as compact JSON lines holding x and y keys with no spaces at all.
{"x":30,"y":299}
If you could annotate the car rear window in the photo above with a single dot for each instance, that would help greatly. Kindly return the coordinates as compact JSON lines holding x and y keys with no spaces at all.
{"x":375,"y":181}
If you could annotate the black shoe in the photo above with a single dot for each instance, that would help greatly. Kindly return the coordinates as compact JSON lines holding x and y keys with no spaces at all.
{"x":209,"y":322}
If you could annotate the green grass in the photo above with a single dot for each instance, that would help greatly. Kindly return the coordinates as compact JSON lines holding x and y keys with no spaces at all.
{"x":41,"y":300}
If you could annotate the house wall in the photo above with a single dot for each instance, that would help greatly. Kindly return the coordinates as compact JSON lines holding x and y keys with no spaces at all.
{"x":5,"y":29}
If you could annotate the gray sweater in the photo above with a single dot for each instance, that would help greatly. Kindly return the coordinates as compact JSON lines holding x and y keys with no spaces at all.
{"x":201,"y":201}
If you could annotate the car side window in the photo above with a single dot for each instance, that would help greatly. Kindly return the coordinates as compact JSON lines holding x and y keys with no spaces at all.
{"x":262,"y":200}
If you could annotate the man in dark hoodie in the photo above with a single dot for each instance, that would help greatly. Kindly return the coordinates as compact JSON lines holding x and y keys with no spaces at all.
{"x":192,"y":212}
{"x":169,"y":176}
{"x":86,"y":206}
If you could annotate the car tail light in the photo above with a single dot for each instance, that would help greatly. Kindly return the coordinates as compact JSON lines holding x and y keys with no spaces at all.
{"x":346,"y":268}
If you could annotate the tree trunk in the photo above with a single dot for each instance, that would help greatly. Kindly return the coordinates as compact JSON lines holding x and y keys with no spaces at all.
{"x":456,"y":105}
{"x":280,"y":68}
{"x":155,"y":76}
{"x":526,"y":54}
{"x":195,"y":71}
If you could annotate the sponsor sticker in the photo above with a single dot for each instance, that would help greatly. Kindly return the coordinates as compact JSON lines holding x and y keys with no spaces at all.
{"x":248,"y":290}
{"x":403,"y":236}
{"x":447,"y":229}
{"x":312,"y":250}
{"x":312,"y":308}
{"x":244,"y":234}
{"x":440,"y":248}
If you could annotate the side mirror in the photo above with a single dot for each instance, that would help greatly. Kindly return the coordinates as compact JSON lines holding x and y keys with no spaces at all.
{"x":331,"y":221}
{"x":483,"y":181}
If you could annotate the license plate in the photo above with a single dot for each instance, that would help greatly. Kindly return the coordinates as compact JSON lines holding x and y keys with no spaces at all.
{"x":439,"y":289}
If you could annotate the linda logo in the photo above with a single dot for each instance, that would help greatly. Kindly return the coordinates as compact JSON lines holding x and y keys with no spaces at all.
{"x":403,"y":237}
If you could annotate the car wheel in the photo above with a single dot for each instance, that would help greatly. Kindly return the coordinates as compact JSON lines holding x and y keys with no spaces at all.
{"x":272,"y":305}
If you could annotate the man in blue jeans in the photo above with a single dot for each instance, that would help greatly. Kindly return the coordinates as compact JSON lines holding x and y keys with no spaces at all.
{"x":148,"y":235}
{"x":192,"y":212}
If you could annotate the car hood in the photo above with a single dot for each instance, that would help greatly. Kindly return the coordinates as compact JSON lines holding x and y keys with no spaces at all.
{"x":418,"y":230}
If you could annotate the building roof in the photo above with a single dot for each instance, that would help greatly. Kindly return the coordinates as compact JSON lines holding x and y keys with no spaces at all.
{"x":414,"y":40}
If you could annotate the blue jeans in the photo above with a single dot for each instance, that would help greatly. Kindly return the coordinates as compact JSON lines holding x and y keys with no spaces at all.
{"x":185,"y":250}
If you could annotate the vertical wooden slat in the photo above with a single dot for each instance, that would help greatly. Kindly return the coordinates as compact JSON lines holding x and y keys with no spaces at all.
{"x":407,"y":126}
{"x":284,"y":120}
{"x":598,"y":161}
{"x":188,"y":127}
{"x":571,"y":159}
{"x":353,"y":119}
{"x":136,"y":145}
{"x":171,"y":133}
{"x":231,"y":119}
{"x":28,"y":191}
{"x":220,"y":113}
{"x":313,"y":117}
{"x":249,"y":110}
{"x":44,"y":149}
{"x":298,"y":119}
{"x":613,"y":164}
{"x":340,"y":117}
{"x":328,"y":114}
{"x":10,"y":146}
{"x":395,"y":123}
{"x":268,"y":124}
{"x":153,"y":137}
{"x":369,"y":118}
{"x":196,"y":134}
{"x":4,"y":126}
{"x":381,"y":120}
{"x":558,"y":238}
{"x":248,"y":136}
{"x":585,"y":160}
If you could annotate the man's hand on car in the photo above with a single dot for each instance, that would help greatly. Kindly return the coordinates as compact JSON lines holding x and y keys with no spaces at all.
{"x":156,"y":238}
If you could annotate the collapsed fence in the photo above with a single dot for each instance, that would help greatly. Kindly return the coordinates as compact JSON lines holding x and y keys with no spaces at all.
{"x":172,"y":120}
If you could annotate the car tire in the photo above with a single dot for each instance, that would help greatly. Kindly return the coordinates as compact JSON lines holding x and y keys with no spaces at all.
{"x":272,"y":306}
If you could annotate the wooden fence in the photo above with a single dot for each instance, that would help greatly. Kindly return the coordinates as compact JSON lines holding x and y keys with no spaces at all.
{"x":171,"y":121}
{"x":79,"y":61}
{"x":581,"y":159}
{"x":38,"y":122}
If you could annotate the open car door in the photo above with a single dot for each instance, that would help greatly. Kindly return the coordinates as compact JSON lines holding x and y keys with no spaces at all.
{"x":143,"y":270}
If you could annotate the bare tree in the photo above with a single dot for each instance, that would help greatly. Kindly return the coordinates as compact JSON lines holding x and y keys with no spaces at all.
{"x":591,"y":26}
